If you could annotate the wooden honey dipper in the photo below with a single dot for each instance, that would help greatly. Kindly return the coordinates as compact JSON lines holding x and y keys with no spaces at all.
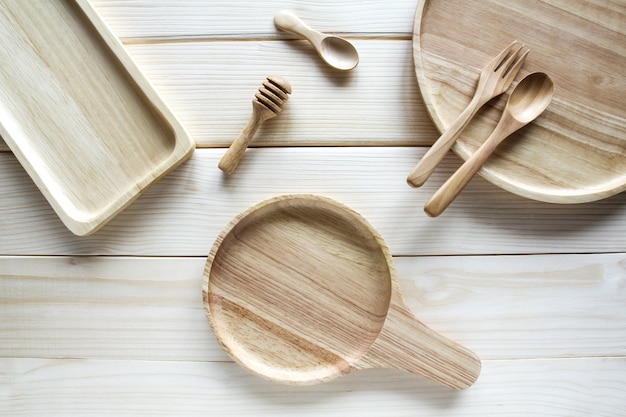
{"x":268,"y":102}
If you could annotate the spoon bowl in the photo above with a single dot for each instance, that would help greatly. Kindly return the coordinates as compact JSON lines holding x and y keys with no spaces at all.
{"x":339,"y":53}
{"x":530,"y":97}
{"x":335,"y":51}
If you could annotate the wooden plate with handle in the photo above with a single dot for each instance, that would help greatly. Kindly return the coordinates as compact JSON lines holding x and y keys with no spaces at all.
{"x":300,"y":289}
{"x":576,"y":151}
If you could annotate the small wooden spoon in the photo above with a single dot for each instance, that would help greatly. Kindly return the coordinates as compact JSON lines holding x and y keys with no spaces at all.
{"x":335,"y":51}
{"x":300,"y":289}
{"x":527,"y":101}
{"x":269,"y":101}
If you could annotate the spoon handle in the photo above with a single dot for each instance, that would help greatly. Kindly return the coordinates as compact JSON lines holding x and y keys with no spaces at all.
{"x":289,"y":22}
{"x":455,"y":184}
{"x":425,"y":167}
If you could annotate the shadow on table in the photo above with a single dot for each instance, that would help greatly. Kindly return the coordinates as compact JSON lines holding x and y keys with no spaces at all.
{"x":368,"y":389}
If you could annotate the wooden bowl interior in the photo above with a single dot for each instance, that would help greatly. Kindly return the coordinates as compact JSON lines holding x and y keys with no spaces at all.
{"x":298,"y":289}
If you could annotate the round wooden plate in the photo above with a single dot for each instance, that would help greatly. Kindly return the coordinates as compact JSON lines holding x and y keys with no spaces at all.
{"x":576,"y":151}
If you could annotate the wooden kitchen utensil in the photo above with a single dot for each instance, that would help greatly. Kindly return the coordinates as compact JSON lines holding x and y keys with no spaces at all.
{"x":335,"y":51}
{"x":269,"y":101}
{"x":79,"y":115}
{"x":576,"y":151}
{"x":527,"y":101}
{"x":301,"y":289}
{"x":495,"y":79}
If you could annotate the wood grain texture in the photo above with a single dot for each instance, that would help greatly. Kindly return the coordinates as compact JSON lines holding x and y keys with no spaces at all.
{"x":494,"y":79}
{"x":135,"y":308}
{"x":80,"y":116}
{"x":183,"y":214}
{"x":527,"y":101}
{"x":49,"y":387}
{"x":113,"y":323}
{"x":301,"y":289}
{"x":197,"y":81}
{"x":212,"y":101}
{"x":141,"y":21}
{"x":576,"y":151}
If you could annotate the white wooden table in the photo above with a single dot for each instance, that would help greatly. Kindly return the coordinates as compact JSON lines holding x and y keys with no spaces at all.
{"x":113,"y":323}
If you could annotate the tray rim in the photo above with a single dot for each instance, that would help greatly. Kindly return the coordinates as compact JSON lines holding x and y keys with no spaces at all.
{"x":183,"y":144}
{"x":609,"y":189}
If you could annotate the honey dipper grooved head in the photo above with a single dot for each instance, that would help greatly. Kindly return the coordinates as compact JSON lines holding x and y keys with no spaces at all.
{"x":274,"y":93}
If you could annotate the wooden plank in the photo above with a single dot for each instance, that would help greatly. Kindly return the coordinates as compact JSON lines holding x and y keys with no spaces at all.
{"x":569,"y":387}
{"x":183,"y":213}
{"x":99,"y":307}
{"x":522,"y":306}
{"x":378,"y":103}
{"x":210,"y":86}
{"x":143,"y":20}
{"x":502,"y":307}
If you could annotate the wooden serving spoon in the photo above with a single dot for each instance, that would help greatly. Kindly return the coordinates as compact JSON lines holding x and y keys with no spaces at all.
{"x":301,"y":289}
{"x":269,"y":101}
{"x":335,"y":51}
{"x":527,"y":101}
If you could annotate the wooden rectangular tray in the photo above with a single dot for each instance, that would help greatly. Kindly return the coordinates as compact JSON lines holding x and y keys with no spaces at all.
{"x":87,"y":126}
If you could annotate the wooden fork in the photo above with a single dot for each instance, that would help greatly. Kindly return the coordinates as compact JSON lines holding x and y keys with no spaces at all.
{"x":495,"y":79}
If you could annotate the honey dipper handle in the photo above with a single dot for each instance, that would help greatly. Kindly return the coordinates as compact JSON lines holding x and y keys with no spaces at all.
{"x":235,"y":152}
{"x":408,"y":344}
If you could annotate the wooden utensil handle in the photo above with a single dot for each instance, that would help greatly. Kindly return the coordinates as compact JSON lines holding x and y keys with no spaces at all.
{"x":406,"y":343}
{"x":455,"y":184}
{"x":289,"y":22}
{"x":438,"y":150}
{"x":235,"y":152}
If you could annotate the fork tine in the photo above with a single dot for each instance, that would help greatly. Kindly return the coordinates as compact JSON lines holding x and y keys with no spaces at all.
{"x":498,"y":60}
{"x":504,"y":67}
{"x":515,"y":67}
